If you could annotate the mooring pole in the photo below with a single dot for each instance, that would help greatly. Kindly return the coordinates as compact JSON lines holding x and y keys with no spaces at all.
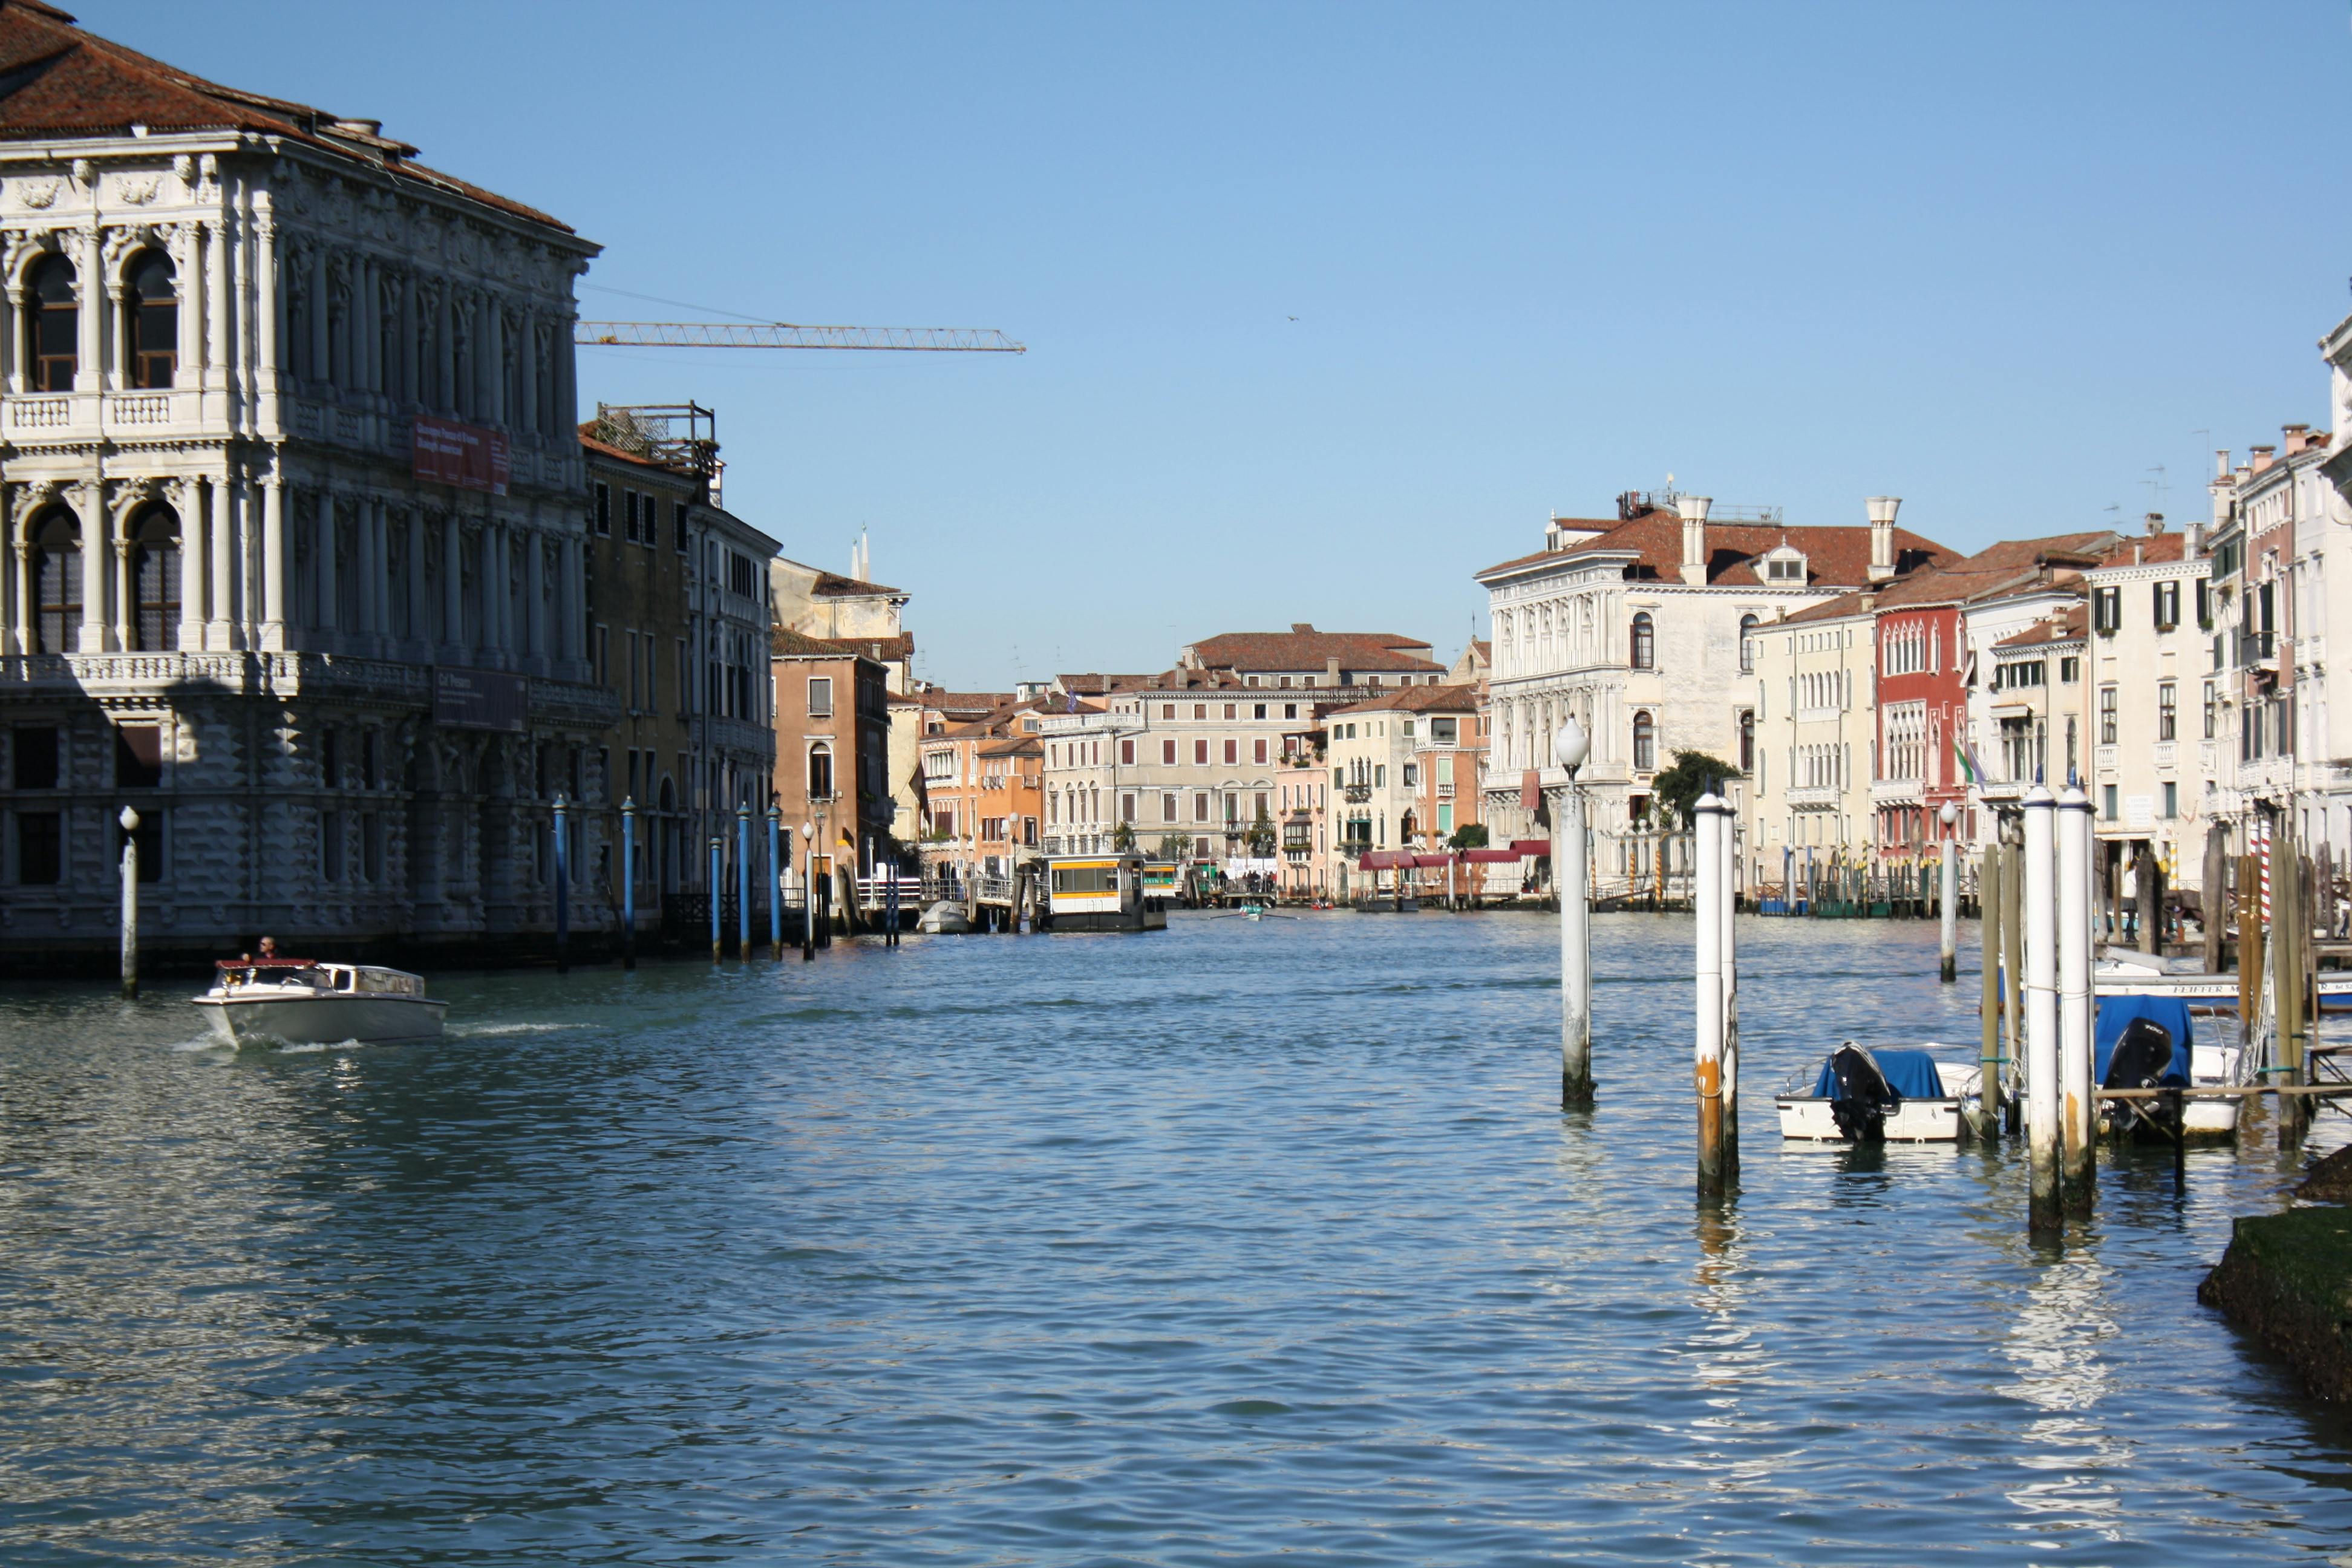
{"x":775,"y":883}
{"x":2078,"y":1110}
{"x":2210,"y":918}
{"x":1727,"y":873}
{"x":717,"y":881}
{"x":1990,"y":915}
{"x":1707,"y":895}
{"x":562,"y":890}
{"x":628,"y":882}
{"x":808,"y":892}
{"x":2039,"y":913}
{"x":743,"y":881}
{"x":130,"y":820}
{"x":1947,"y":897}
{"x":2012,"y":942}
{"x":1570,"y":875}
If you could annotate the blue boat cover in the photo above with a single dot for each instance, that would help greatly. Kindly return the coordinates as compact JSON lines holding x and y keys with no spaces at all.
{"x":1911,"y":1074}
{"x":2115,"y":1015}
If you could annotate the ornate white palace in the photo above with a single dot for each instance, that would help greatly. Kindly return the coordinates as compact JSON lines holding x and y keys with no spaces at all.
{"x":296,"y":515}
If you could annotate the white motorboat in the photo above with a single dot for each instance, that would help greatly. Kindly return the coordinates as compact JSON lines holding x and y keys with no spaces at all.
{"x":2147,"y":1040}
{"x":298,"y":1002}
{"x":1876,"y":1094}
{"x":946,"y":917}
{"x":2122,"y":972}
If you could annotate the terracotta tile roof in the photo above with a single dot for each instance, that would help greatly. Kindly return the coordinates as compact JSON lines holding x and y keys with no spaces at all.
{"x":1302,"y":648}
{"x":1991,"y":573}
{"x":2070,"y":629}
{"x":2146,"y":550}
{"x":590,"y":443}
{"x":1018,"y":746}
{"x":882,"y":650}
{"x":1835,"y":557}
{"x":834,"y":586}
{"x":973,"y":704}
{"x":1095,"y":685}
{"x":56,"y":81}
{"x":1416,"y":700}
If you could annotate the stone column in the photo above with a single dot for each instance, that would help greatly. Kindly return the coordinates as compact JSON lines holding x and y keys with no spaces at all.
{"x":534,"y":591}
{"x":322,"y":307}
{"x":453,"y":591}
{"x":92,"y":294}
{"x":408,"y":336}
{"x":570,"y":602}
{"x":126,"y":608}
{"x":526,"y":375}
{"x":13,"y":328}
{"x":273,"y":564}
{"x":323,"y":566}
{"x":488,"y":362}
{"x":365,"y":571}
{"x":367,"y":326}
{"x":188,"y":264}
{"x":196,"y":565}
{"x":420,"y":614}
{"x":444,"y":353}
{"x":269,"y":312}
{"x":216,"y":316}
{"x":567,"y":392}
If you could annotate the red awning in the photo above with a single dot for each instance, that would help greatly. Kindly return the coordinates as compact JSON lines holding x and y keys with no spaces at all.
{"x":1530,"y":846}
{"x":1386,"y":859}
{"x":1490,"y":856}
{"x":1432,"y":859}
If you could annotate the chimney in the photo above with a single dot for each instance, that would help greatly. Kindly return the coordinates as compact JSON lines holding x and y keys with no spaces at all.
{"x":1302,"y":629}
{"x":1331,"y":670}
{"x":2261,"y":457}
{"x":1694,"y":511}
{"x":2155,"y":522}
{"x":1882,"y":535}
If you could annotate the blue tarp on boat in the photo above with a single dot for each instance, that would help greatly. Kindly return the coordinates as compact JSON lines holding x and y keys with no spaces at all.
{"x":1911,"y":1074}
{"x":2117,"y":1014}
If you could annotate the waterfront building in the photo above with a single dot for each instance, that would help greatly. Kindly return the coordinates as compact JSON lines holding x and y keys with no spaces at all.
{"x":1809,"y":746}
{"x":1190,"y":755}
{"x":1404,"y":767}
{"x":1643,"y":626}
{"x":2150,"y":706}
{"x":984,"y":785}
{"x":853,"y":609}
{"x":1302,"y":793}
{"x":834,"y":721}
{"x":296,"y":519}
{"x":669,"y":621}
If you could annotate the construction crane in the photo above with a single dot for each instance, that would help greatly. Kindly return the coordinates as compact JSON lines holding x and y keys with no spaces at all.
{"x":787,"y":335}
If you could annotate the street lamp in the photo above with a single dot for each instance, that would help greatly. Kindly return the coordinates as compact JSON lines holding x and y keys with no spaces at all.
{"x":808,"y":892}
{"x":1947,"y":892}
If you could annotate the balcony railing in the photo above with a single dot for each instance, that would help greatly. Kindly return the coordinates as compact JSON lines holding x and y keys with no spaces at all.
{"x":1358,"y":793}
{"x":2257,"y":647}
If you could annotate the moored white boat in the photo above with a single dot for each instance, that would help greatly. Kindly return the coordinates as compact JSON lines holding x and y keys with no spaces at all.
{"x":2162,"y":1018}
{"x":298,"y":1002}
{"x":1896,"y":1095}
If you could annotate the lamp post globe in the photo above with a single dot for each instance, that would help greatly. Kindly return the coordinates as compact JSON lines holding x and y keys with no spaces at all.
{"x":1572,"y":745}
{"x":1949,"y":815}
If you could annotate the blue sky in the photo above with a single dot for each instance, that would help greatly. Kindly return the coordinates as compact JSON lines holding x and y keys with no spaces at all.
{"x":2004,"y":261}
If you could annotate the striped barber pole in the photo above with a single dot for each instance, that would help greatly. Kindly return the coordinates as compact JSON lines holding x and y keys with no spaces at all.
{"x":2262,"y":836}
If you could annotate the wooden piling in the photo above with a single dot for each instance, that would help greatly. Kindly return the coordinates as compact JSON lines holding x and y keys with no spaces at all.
{"x":2210,"y":905}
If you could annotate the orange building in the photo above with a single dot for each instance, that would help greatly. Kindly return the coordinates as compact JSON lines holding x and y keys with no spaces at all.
{"x":984,"y":789}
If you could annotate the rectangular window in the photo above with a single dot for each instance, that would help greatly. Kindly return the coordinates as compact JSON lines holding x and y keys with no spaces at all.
{"x":1445,"y":816}
{"x":1168,"y":753}
{"x":1201,"y":752}
{"x":1258,"y":749}
{"x":678,"y":524}
{"x":2107,"y":717}
{"x":2204,"y":604}
{"x":604,"y":508}
{"x":2107,"y":801}
{"x":1167,"y":808}
{"x":35,"y":761}
{"x":2167,"y":605}
{"x":331,"y":844}
{"x":2070,"y":669}
{"x":1232,"y":750}
{"x":138,"y":756}
{"x":629,"y":516}
{"x":2167,"y":703}
{"x":2212,"y":713}
{"x":1127,"y":808}
{"x":1200,"y":805}
{"x":820,"y":697}
{"x":40,"y":857}
{"x":1127,"y":756}
{"x":603,"y":653}
{"x":2171,"y":799}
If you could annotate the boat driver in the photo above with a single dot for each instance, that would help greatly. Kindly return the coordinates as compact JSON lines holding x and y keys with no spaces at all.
{"x":268,"y":947}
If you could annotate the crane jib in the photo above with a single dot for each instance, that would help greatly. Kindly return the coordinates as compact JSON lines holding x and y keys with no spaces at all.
{"x":787,"y":335}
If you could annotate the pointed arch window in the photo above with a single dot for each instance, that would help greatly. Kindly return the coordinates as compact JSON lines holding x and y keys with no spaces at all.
{"x":52,"y":326}
{"x":151,"y":320}
{"x":55,"y":562}
{"x":155,"y":580}
{"x":1645,"y":641}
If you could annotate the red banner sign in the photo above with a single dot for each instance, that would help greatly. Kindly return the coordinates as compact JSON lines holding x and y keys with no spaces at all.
{"x":466,"y":456}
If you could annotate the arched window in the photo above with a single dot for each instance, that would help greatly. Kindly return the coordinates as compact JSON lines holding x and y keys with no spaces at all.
{"x":1646,"y":742}
{"x":820,"y":773}
{"x":151,"y":320}
{"x":1645,"y":641}
{"x":1747,"y":644}
{"x":52,"y":328}
{"x":56,"y":565}
{"x":155,"y":580}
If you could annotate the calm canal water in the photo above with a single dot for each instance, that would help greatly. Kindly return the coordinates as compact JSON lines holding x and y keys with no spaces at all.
{"x":1237,"y":1242}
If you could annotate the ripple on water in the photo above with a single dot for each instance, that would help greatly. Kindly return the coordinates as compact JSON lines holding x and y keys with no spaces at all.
{"x":1237,"y":1241}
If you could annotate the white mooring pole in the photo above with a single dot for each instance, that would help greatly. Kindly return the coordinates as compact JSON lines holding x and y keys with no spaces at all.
{"x":130,"y":820}
{"x":1570,"y":874}
{"x":1708,"y":892}
{"x":2078,"y":1110}
{"x":1727,"y":867}
{"x":2040,"y":918}
{"x":1947,"y":897}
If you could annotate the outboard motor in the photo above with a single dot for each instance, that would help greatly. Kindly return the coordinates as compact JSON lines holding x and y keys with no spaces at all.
{"x":1864,"y":1099}
{"x":2141,"y":1058}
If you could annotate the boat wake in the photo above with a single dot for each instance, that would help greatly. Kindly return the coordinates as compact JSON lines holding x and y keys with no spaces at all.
{"x":476,"y":1030}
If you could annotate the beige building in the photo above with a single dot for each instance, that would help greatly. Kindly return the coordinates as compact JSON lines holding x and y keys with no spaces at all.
{"x":1808,"y":754}
{"x":2150,"y":705}
{"x":1191,"y":754}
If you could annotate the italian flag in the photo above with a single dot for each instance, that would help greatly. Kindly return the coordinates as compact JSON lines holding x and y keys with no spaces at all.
{"x":1974,"y":775}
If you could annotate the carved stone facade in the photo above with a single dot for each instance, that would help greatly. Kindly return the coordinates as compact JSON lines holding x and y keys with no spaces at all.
{"x":229,"y":598}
